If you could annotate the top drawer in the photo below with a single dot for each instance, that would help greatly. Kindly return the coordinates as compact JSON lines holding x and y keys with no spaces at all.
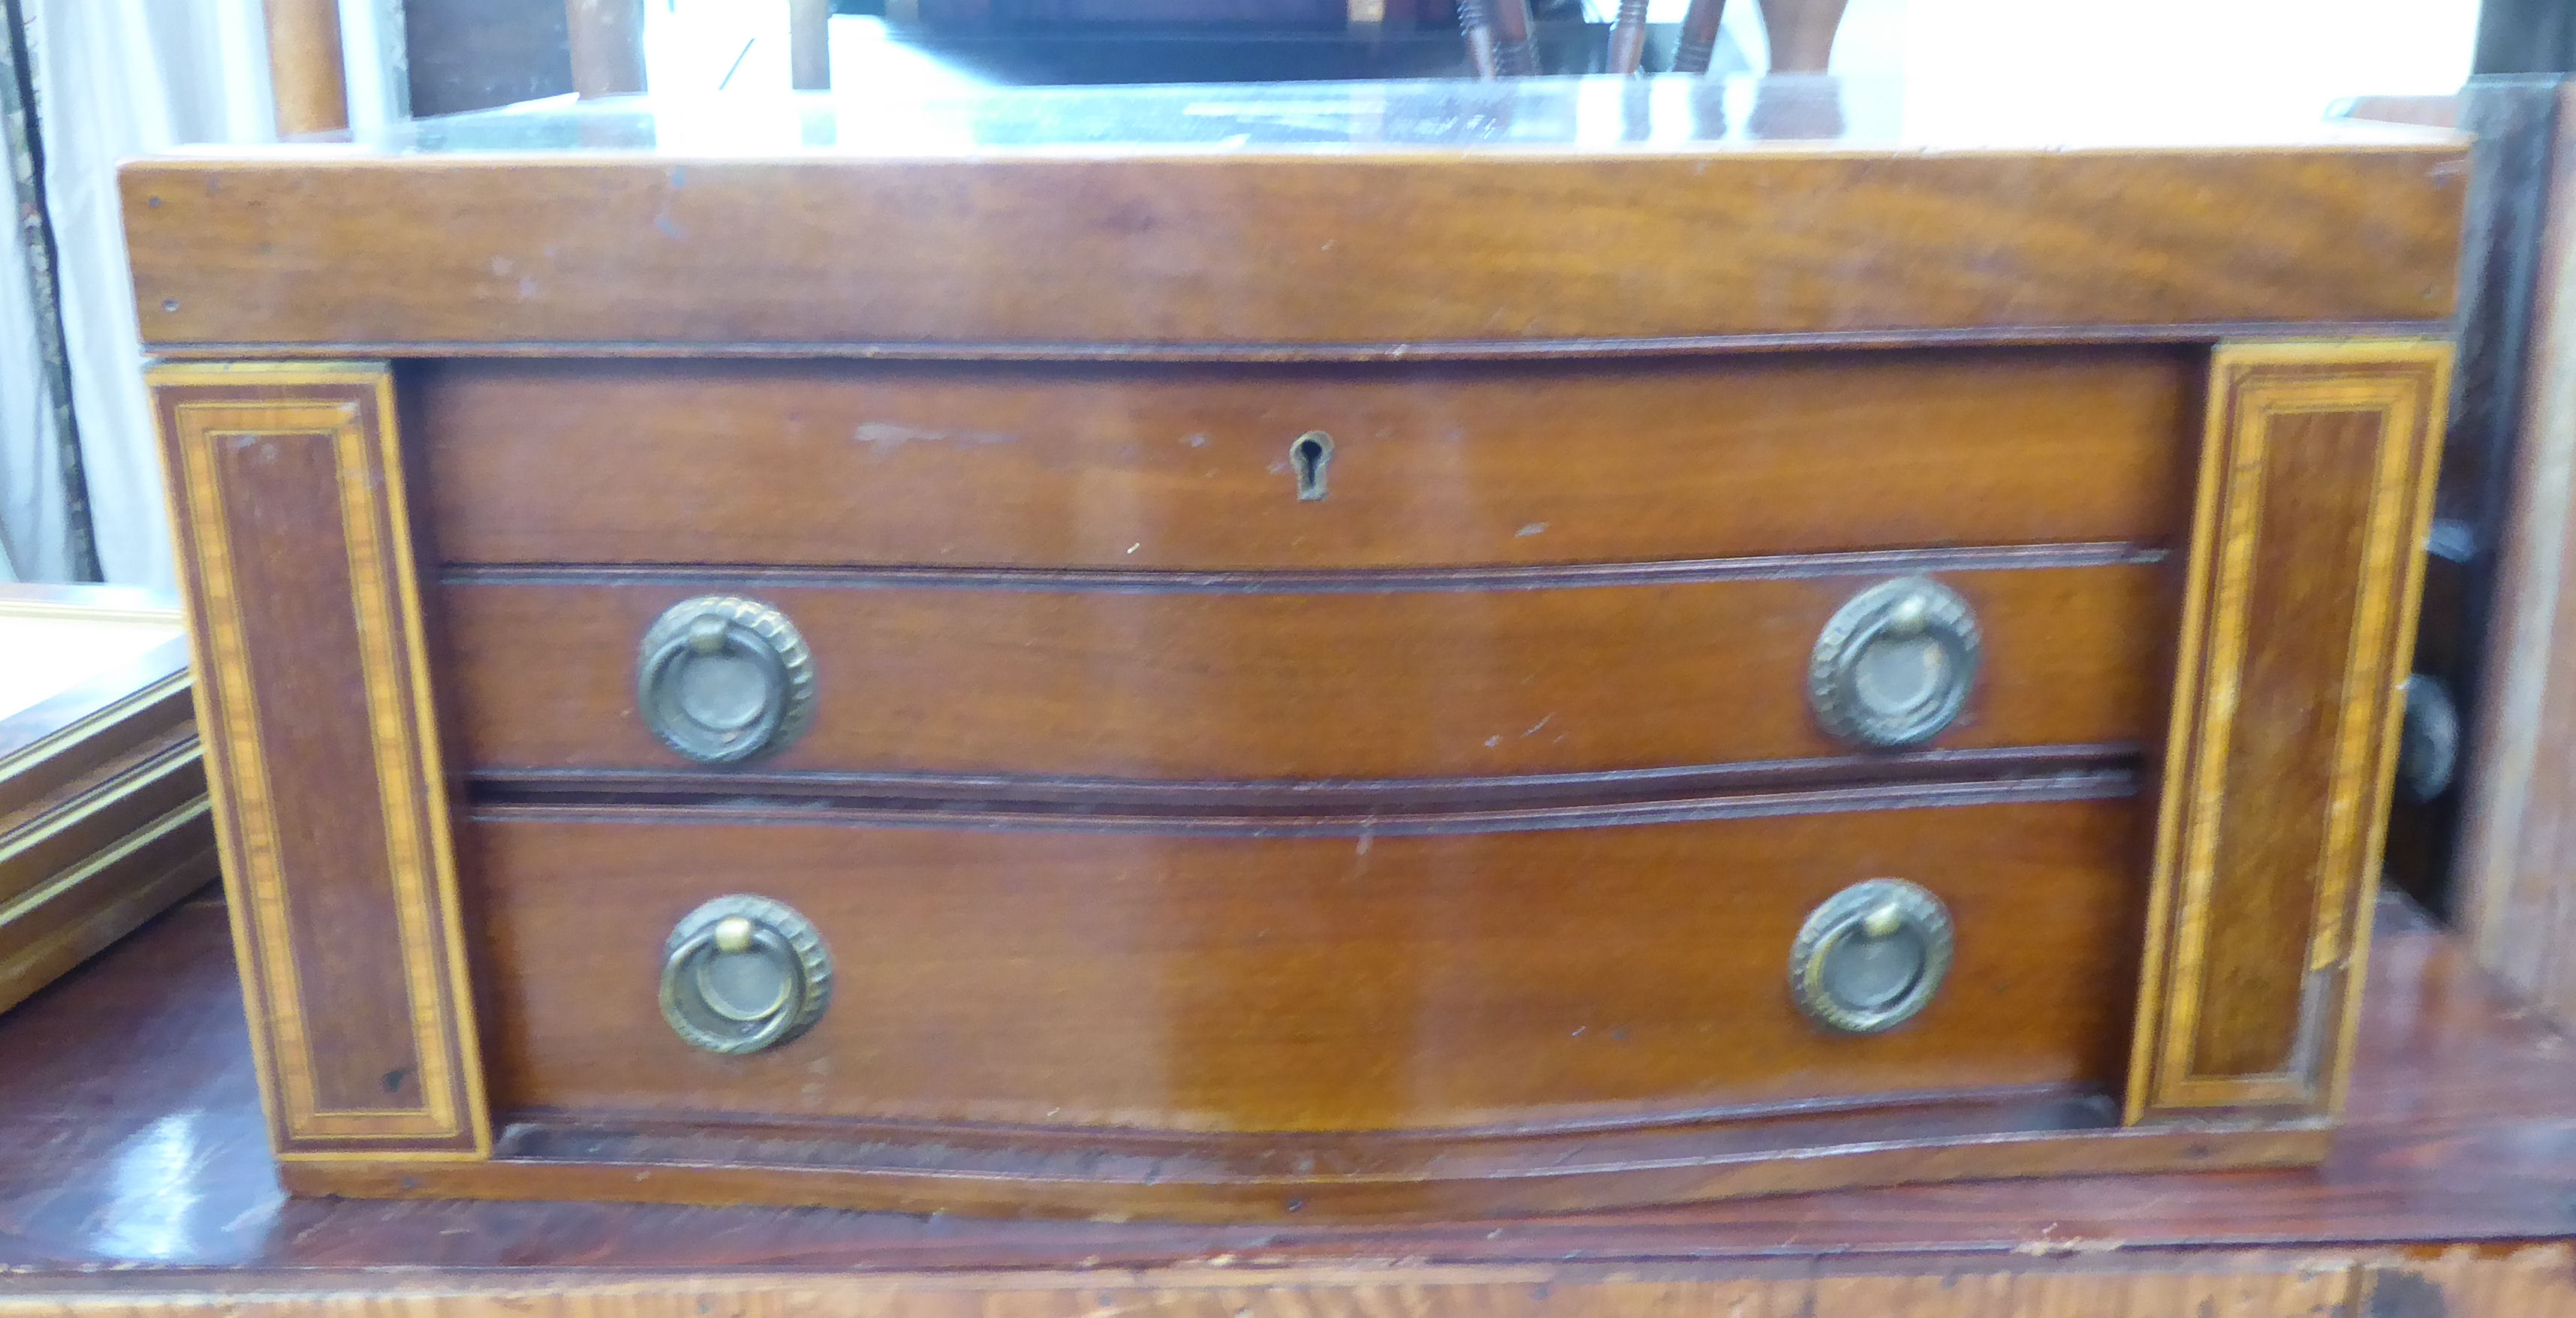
{"x":1190,"y":466}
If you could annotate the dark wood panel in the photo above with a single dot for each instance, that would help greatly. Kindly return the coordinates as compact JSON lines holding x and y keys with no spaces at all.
{"x":321,"y":758}
{"x":1258,"y":685}
{"x":1188,"y":466}
{"x":300,"y":645}
{"x":1204,"y":984}
{"x":2316,"y":503}
{"x":1391,"y":246}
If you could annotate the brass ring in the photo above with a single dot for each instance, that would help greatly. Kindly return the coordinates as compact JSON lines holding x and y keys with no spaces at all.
{"x":1901,"y":925}
{"x":726,"y":626}
{"x":734,"y":926}
{"x":1917,"y":612}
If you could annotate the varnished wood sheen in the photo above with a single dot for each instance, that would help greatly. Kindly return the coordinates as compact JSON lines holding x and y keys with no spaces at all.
{"x":1423,"y":839}
{"x":1045,"y":677}
{"x":1383,"y":246}
{"x":1207,"y":984}
{"x":330,"y":802}
{"x":1187,"y":467}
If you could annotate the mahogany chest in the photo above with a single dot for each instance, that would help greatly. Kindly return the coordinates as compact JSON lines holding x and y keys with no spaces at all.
{"x":1358,"y":651}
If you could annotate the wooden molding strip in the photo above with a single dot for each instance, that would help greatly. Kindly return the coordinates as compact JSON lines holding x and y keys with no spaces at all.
{"x":2091,"y":783}
{"x":1781,"y":567}
{"x":1442,"y":350}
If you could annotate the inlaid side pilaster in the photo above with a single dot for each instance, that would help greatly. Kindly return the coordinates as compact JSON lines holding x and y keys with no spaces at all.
{"x":2305,"y":563}
{"x":288,"y":498}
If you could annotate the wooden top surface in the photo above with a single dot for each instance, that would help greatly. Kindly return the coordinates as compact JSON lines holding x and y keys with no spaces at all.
{"x":1534,"y":217}
{"x":130,"y":1144}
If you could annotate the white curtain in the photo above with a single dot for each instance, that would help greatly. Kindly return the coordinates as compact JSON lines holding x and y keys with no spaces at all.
{"x":35,"y":540}
{"x":114,"y":79}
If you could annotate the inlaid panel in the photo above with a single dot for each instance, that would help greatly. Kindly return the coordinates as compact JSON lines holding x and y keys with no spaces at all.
{"x":2306,"y":561}
{"x":313,"y":696}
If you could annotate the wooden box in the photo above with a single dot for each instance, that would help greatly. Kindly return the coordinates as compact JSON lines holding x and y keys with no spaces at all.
{"x":1358,"y":652}
{"x":103,"y":816}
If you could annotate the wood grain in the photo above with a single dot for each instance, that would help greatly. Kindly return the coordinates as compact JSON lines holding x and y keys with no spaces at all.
{"x":1211,"y":984}
{"x":1141,"y":467}
{"x":2273,"y":1285}
{"x":1249,"y":684}
{"x":1386,"y":246}
{"x":1822,"y":1164}
{"x":2305,"y":565}
{"x":322,"y":754}
{"x":1574,"y":991}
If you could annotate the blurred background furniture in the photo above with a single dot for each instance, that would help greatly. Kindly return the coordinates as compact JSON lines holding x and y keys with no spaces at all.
{"x":461,"y":55}
{"x":103,"y":816}
{"x":2484,"y":830}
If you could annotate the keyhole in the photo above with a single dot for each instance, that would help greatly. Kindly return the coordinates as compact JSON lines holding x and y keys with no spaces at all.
{"x":1310,"y":455}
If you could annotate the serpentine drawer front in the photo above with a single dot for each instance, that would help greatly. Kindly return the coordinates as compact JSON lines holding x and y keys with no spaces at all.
{"x":1350,"y":657}
{"x":1192,"y":467}
{"x":1629,"y":975}
{"x":1365,"y":679}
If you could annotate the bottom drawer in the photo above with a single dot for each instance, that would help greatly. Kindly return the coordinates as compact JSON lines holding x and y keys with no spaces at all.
{"x":1204,"y":983}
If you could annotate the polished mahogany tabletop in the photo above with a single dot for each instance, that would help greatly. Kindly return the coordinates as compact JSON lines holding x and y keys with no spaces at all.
{"x":130,"y":1138}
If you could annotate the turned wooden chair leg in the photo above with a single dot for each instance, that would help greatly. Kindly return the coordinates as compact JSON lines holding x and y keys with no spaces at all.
{"x":1628,"y":37}
{"x":305,"y":68}
{"x":1698,"y":39}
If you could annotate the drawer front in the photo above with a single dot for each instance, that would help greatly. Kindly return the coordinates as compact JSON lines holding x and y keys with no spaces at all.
{"x":1230,"y":983}
{"x":1237,"y":685}
{"x":1190,"y":466}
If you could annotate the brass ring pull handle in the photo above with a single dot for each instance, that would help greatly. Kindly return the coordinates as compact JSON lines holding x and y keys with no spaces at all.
{"x":722,"y":679}
{"x":1895,"y":663}
{"x":740,"y":974}
{"x":1871,"y":956}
